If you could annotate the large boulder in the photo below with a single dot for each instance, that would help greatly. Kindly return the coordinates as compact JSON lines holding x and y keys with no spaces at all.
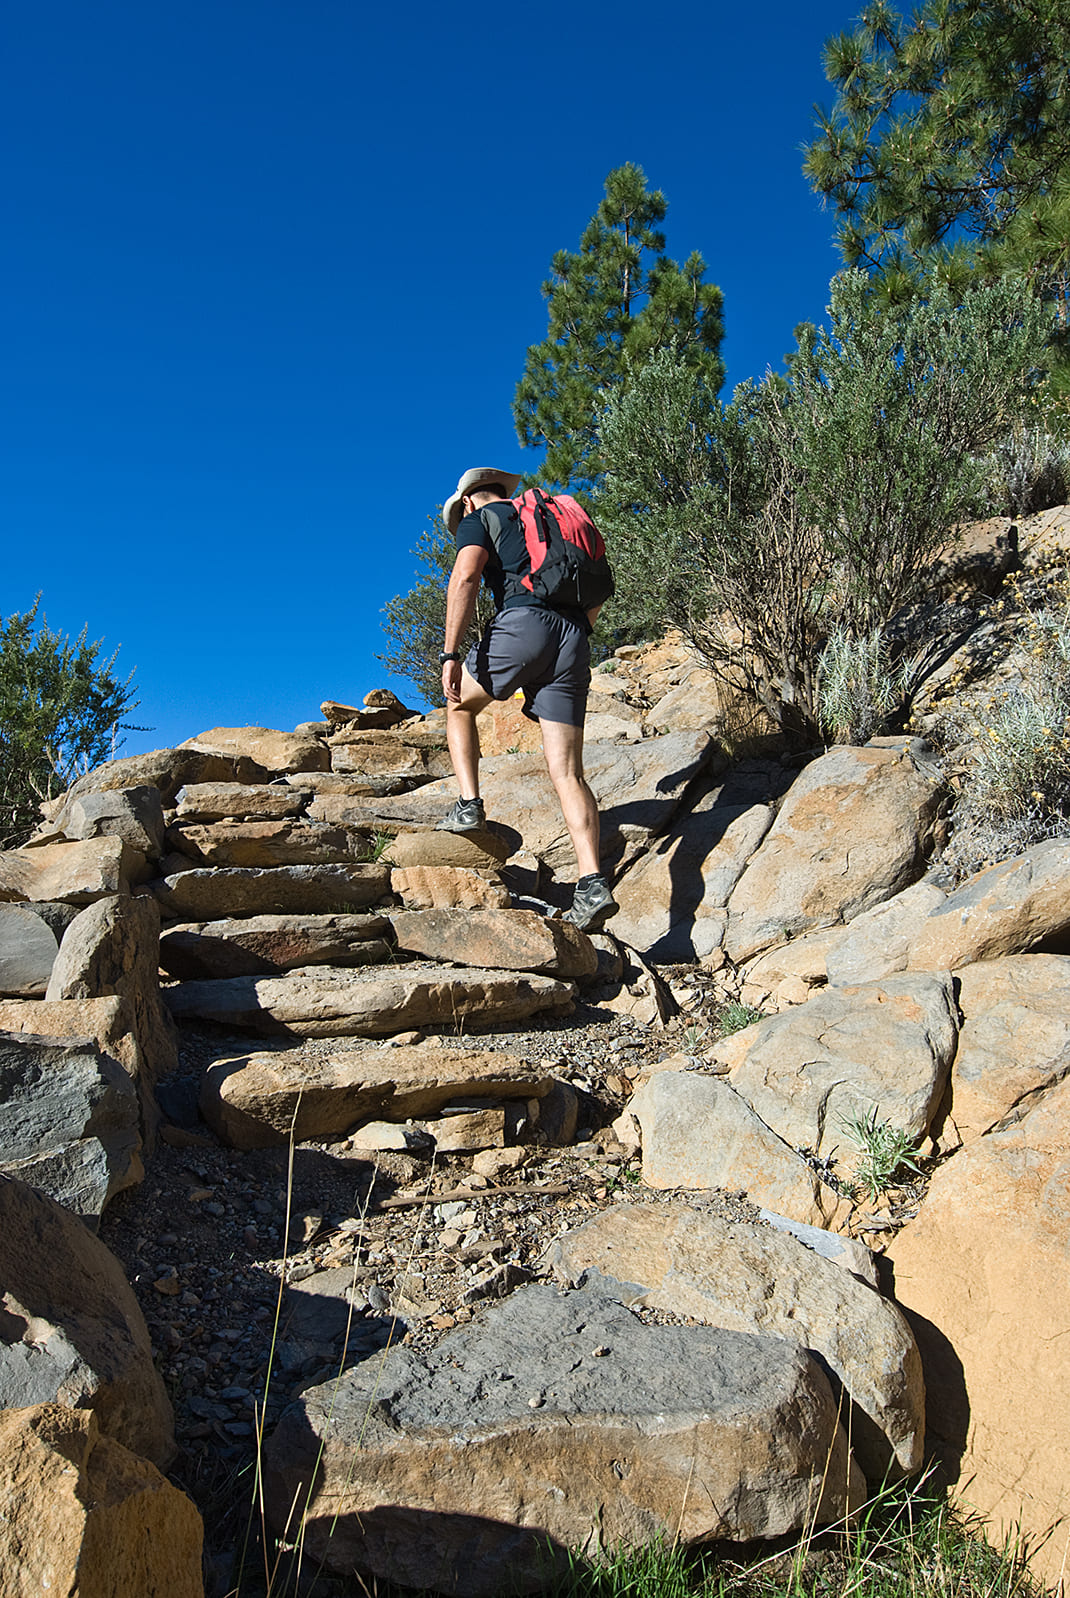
{"x":856,"y":827}
{"x":69,"y":1121}
{"x":205,"y":895}
{"x":267,"y":945}
{"x":697,"y":1133}
{"x":482,"y":850}
{"x":28,"y":949}
{"x":71,"y":1331}
{"x":559,"y":1424}
{"x":107,"y":1021}
{"x":265,"y":747}
{"x":113,"y":947}
{"x":984,"y":1276}
{"x":510,"y":940}
{"x":82,"y":1514}
{"x":883,"y":1049}
{"x":133,"y":814}
{"x":287,"y":842}
{"x":325,"y":1002}
{"x":76,"y":873}
{"x":749,"y":1277}
{"x":877,"y":943}
{"x":1014,"y":1040}
{"x":259,"y":1100}
{"x":1007,"y":909}
{"x":169,"y":770}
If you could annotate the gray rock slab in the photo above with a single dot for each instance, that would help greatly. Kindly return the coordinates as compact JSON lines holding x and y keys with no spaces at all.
{"x":133,"y":814}
{"x":559,"y":1424}
{"x":71,"y":1330}
{"x":1007,"y":909}
{"x":169,"y":770}
{"x":877,"y":943}
{"x":268,"y":945}
{"x":856,"y":827}
{"x":240,"y":801}
{"x":749,"y":1277}
{"x":206,"y":895}
{"x":324,"y":1001}
{"x":28,"y":948}
{"x":509,"y":940}
{"x":77,"y":873}
{"x":1015,"y":1038}
{"x":290,"y":841}
{"x":697,"y":1133}
{"x":69,"y":1121}
{"x":847,"y":1052}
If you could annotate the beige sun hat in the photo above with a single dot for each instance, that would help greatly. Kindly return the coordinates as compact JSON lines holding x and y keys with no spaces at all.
{"x":451,"y":511}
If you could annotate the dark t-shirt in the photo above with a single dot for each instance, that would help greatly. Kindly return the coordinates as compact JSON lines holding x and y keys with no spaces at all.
{"x":510,"y":556}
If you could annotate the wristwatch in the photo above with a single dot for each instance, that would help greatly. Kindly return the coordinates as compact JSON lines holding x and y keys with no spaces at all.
{"x":449,"y":654}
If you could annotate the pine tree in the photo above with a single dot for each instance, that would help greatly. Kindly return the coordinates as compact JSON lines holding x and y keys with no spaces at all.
{"x":950,"y":134}
{"x":612,"y":304}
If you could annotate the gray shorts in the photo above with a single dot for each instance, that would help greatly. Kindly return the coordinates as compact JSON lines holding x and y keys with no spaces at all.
{"x":541,"y":652}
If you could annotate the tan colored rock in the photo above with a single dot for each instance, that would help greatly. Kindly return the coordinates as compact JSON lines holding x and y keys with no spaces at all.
{"x":268,"y":945}
{"x":884,"y":1046}
{"x":82,"y":1514}
{"x":697,"y":702}
{"x":169,"y":770}
{"x":381,"y":708}
{"x":113,"y":947}
{"x":207,"y":895}
{"x":984,"y":1276}
{"x":263,"y":746}
{"x":449,"y":888}
{"x":1014,"y":1040}
{"x":977,"y":557}
{"x":326,"y":1002}
{"x":382,"y":754}
{"x":749,"y":1277}
{"x":253,"y":1100}
{"x":404,"y":1459}
{"x":876,"y":943}
{"x":468,"y":1133}
{"x":71,"y":1331}
{"x":803,"y":959}
{"x":856,"y":827}
{"x":107,"y":1021}
{"x":483,"y":850}
{"x":507,"y":940}
{"x":241,"y":801}
{"x":504,"y":729}
{"x":697,"y":1133}
{"x":77,"y":873}
{"x":268,"y":843}
{"x":1004,"y":910}
{"x":606,"y":728}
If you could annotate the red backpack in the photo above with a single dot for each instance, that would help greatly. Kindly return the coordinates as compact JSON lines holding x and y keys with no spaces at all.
{"x":569,"y":569}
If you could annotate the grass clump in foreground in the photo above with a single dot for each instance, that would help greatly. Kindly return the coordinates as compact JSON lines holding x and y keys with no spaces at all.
{"x":905,"y":1543}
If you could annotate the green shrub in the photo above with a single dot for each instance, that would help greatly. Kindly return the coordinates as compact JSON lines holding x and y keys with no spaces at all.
{"x":858,"y":688}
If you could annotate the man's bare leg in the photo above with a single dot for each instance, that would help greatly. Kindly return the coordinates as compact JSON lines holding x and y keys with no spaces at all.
{"x":462,"y":734}
{"x":563,"y":747}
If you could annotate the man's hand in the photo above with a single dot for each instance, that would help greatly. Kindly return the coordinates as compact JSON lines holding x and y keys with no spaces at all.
{"x":451,"y":681}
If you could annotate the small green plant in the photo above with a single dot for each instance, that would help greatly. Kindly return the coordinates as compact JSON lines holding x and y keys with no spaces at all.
{"x":693,"y":1035}
{"x":377,"y":846}
{"x":735,"y":1016}
{"x":886,"y":1150}
{"x":858,"y":687}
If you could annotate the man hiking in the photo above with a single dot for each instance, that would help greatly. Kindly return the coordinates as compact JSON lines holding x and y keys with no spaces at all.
{"x":529,"y":645}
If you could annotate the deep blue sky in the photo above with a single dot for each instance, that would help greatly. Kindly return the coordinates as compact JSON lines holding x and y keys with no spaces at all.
{"x":271,"y":269}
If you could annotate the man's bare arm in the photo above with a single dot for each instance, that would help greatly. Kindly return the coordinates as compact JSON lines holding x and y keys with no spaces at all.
{"x":461,"y":596}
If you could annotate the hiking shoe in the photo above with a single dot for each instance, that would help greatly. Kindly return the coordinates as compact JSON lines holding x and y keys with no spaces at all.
{"x":592,"y":904}
{"x":467,"y":815}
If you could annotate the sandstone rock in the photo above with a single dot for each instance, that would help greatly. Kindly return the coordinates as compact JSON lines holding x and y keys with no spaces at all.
{"x":508,"y":940}
{"x":984,"y":1276}
{"x":698,"y":702}
{"x":112,"y":947}
{"x":751,"y":1278}
{"x":83,"y":1514}
{"x":804,"y":959}
{"x":205,"y":895}
{"x":638,"y":786}
{"x":239,"y":801}
{"x":169,"y":770}
{"x":266,"y":945}
{"x":253,"y":1100}
{"x":431,"y":1471}
{"x":876,"y":943}
{"x":698,"y":1133}
{"x":68,"y":1121}
{"x":844,"y":1252}
{"x":326,"y":1002}
{"x":133,"y":814}
{"x":1014,"y":1040}
{"x":1005,"y":910}
{"x":381,"y":708}
{"x":670,"y":893}
{"x":77,"y":873}
{"x":268,"y":843}
{"x":979,"y":556}
{"x":856,"y":827}
{"x":884,"y":1046}
{"x":610,"y":727}
{"x":387,"y":1137}
{"x":504,"y":729}
{"x":448,"y":888}
{"x":263,"y":746}
{"x":382,"y":754}
{"x":71,"y":1331}
{"x":107,"y":1021}
{"x":478,"y":851}
{"x":468,"y":1133}
{"x":28,"y":948}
